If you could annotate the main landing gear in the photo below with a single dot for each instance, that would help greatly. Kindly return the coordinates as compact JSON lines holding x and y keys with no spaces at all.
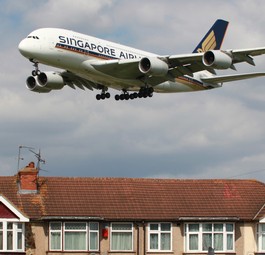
{"x":104,"y":94}
{"x":143,"y":93}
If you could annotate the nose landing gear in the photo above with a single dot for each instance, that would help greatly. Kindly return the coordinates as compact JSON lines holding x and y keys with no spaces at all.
{"x":36,"y":71}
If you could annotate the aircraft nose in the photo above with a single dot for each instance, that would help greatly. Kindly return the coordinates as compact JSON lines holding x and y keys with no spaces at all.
{"x":24,"y":48}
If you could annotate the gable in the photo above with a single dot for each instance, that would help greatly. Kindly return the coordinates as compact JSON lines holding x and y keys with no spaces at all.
{"x":9,"y":211}
{"x":6,"y":213}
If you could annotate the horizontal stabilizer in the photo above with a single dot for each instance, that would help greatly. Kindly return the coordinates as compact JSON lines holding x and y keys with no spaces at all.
{"x":228,"y":78}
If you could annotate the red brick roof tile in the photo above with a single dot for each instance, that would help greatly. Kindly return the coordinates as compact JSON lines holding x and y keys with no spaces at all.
{"x":139,"y":199}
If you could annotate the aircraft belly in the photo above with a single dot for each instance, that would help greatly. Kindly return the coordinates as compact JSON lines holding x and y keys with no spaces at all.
{"x":181,"y":84}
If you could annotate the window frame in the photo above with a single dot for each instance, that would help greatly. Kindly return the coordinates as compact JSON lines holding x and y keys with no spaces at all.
{"x":14,"y":231}
{"x":121,"y":231}
{"x":260,"y":234}
{"x":63,"y":231}
{"x":159,"y":233}
{"x":89,"y":235}
{"x":200,"y":232}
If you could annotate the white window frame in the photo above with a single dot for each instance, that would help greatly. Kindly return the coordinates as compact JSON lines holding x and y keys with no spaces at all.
{"x":260,"y":236}
{"x":93,"y":231}
{"x":75,"y":231}
{"x":63,"y":230}
{"x":200,"y":233}
{"x":120,"y":231}
{"x":60,"y":231}
{"x":15,"y":231}
{"x":159,"y":233}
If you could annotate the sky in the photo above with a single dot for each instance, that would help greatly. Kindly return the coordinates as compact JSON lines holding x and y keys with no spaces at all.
{"x":199,"y":135}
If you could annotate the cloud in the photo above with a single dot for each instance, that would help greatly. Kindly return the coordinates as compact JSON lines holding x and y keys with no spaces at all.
{"x":212,"y":134}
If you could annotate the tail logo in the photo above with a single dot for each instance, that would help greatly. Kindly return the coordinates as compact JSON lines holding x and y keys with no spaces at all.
{"x":209,"y":43}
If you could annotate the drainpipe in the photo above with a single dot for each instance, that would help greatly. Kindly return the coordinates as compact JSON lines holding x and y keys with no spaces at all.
{"x":144,"y":237}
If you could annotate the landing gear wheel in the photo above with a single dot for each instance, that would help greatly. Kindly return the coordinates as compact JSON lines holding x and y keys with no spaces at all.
{"x":35,"y":72}
{"x":103,"y":96}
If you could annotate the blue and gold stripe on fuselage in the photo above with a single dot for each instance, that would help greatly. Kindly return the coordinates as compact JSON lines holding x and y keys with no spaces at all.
{"x":192,"y":83}
{"x":83,"y":51}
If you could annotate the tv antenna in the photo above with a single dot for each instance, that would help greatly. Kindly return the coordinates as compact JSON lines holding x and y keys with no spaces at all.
{"x":31,"y":149}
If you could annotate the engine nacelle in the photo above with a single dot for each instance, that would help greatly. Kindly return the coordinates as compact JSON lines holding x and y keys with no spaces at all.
{"x":153,"y":66}
{"x":33,"y":85}
{"x":51,"y":80}
{"x":217,"y":59}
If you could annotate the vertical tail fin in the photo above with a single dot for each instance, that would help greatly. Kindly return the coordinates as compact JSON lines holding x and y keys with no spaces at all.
{"x":214,"y":37}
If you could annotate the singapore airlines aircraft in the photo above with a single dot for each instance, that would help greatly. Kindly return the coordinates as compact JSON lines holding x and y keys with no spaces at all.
{"x":92,"y":63}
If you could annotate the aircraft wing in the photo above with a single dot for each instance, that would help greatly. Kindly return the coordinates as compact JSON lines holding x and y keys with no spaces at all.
{"x":228,"y":78}
{"x":74,"y":81}
{"x":119,"y":68}
{"x":245,"y":55}
{"x":190,"y":63}
{"x":179,"y":65}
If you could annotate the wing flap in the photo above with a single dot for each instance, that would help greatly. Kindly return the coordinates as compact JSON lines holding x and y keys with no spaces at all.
{"x":228,"y":78}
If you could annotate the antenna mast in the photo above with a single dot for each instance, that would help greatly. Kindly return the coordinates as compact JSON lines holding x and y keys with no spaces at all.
{"x":31,"y":149}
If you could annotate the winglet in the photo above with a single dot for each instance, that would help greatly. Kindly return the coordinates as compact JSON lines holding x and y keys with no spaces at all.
{"x":214,"y":37}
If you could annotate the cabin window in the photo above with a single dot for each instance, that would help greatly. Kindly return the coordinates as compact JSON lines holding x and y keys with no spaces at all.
{"x":199,"y":237}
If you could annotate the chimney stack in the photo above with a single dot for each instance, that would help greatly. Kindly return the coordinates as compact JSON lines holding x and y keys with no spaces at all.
{"x":28,"y":179}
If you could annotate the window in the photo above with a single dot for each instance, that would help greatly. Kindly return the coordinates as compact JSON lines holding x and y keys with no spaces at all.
{"x":11,"y":236}
{"x":56,"y":236}
{"x":76,"y":236}
{"x":121,"y":236}
{"x":93,"y":236}
{"x":159,"y":237}
{"x":200,"y":236}
{"x":261,"y":237}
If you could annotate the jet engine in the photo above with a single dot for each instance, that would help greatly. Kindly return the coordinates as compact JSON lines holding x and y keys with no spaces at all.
{"x":33,"y":85}
{"x":153,"y":66}
{"x":51,"y":80}
{"x":217,"y":59}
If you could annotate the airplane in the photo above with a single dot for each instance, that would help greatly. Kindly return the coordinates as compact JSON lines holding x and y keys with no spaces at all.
{"x":93,"y":63}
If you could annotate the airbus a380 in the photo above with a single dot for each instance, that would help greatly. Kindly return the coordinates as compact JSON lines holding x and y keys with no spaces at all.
{"x":92,"y":63}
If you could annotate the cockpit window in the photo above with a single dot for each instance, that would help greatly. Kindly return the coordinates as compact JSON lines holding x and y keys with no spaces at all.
{"x":34,"y":37}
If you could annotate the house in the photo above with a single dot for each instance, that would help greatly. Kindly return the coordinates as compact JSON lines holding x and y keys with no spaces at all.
{"x":124,"y":216}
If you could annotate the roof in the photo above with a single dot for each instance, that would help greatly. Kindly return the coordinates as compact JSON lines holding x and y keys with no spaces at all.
{"x":138,"y":199}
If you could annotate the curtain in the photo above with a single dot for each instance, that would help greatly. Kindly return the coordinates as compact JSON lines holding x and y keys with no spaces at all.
{"x":93,"y":242}
{"x":55,"y":240}
{"x":153,"y":241}
{"x":1,"y":240}
{"x":75,"y":241}
{"x":193,"y":242}
{"x":206,"y":241}
{"x":218,"y":242}
{"x":165,"y":241}
{"x":121,"y":241}
{"x":230,"y":242}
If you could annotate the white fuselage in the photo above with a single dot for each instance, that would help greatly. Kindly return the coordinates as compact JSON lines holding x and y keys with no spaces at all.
{"x":76,"y":52}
